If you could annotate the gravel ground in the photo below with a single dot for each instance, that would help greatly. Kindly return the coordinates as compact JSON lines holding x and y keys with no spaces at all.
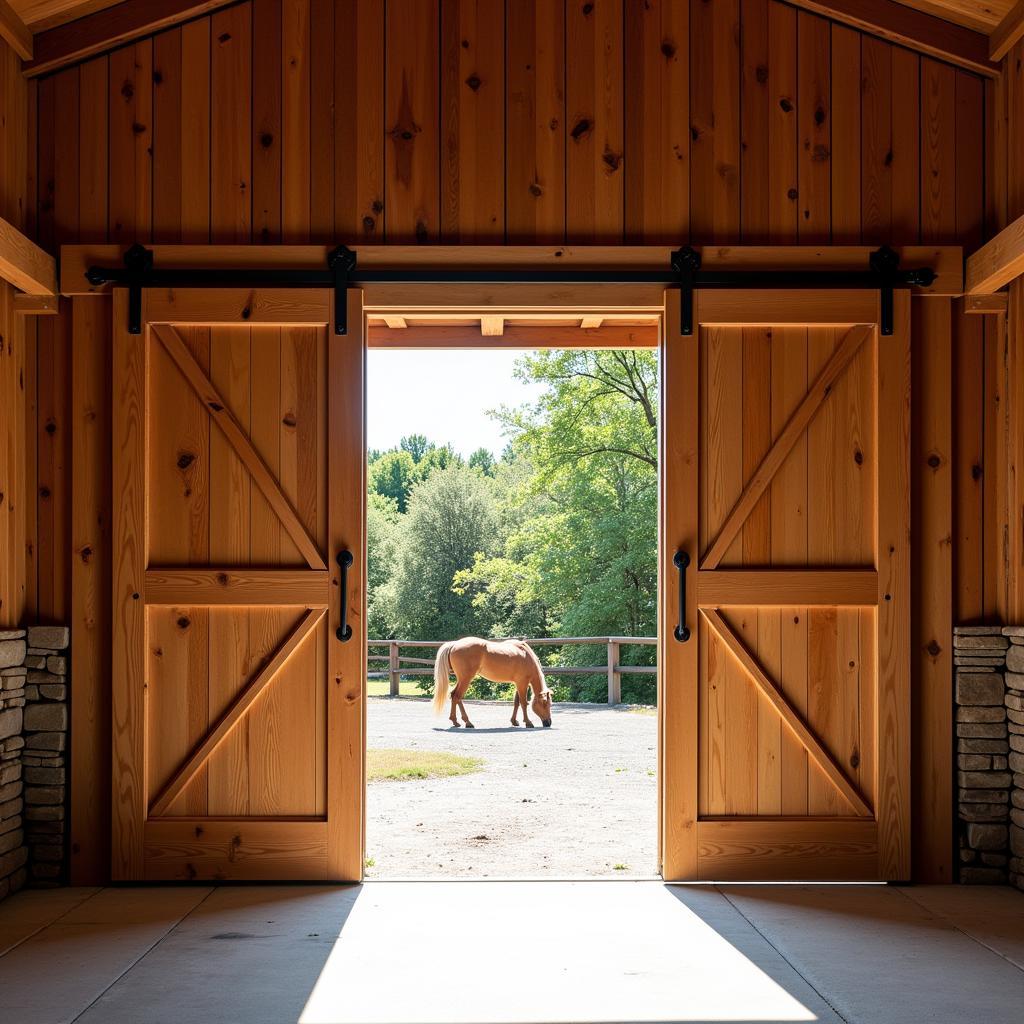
{"x":578,"y":799}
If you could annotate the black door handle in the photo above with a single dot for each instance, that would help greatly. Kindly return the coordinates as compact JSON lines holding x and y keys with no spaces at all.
{"x":344,"y":631}
{"x":681,"y":560}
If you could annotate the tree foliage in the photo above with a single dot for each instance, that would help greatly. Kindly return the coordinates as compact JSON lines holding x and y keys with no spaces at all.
{"x":556,"y":537}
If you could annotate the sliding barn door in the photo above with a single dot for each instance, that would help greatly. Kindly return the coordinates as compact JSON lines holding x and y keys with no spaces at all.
{"x":238,"y":482}
{"x":785,"y":652}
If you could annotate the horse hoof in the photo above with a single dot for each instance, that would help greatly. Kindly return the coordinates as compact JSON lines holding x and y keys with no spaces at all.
{"x":515,"y":725}
{"x":529,"y":725}
{"x":455,"y":725}
{"x":470,"y":725}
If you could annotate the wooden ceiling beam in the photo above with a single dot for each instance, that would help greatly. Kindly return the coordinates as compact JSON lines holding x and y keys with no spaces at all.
{"x":24,"y":264}
{"x":15,"y":31}
{"x":468,"y":335}
{"x":1007,"y":33}
{"x":913,"y":29}
{"x":998,"y":262}
{"x":113,"y":26}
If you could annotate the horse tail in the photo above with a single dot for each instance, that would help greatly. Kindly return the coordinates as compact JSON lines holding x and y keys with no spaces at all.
{"x":442,"y":670}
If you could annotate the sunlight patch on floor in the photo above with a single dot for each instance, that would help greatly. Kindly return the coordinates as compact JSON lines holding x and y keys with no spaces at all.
{"x":572,"y":951}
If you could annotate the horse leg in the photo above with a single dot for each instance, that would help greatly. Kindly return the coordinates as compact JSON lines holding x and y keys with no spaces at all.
{"x":515,"y":711}
{"x":522,"y":694}
{"x":460,"y":692}
{"x":455,"y":704}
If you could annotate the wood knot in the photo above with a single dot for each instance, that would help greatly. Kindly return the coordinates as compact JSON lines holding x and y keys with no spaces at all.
{"x":933,"y":648}
{"x":377,"y":206}
{"x":246,"y":312}
{"x":369,"y":223}
{"x":138,"y":129}
{"x":536,"y":190}
{"x":222,"y":578}
{"x":185,"y":459}
{"x":587,"y":9}
{"x":289,"y":419}
{"x":792,"y":194}
{"x":183,"y":622}
{"x":266,"y":140}
{"x":44,"y":492}
{"x":855,"y":758}
{"x":581,"y":129}
{"x":668,"y":49}
{"x":976,"y":472}
{"x":888,"y":159}
{"x":858,"y":457}
{"x":611,"y":160}
{"x":761,"y":74}
{"x":224,"y":37}
{"x":85,"y":554}
{"x":474,"y":82}
{"x":819,"y":115}
{"x":934,"y":461}
{"x":128,"y":89}
{"x":215,"y":406}
{"x":51,"y":427}
{"x":158,"y":77}
{"x":786,"y":105}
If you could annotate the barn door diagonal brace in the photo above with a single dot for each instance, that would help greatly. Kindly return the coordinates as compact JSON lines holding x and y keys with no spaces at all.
{"x":684,"y":271}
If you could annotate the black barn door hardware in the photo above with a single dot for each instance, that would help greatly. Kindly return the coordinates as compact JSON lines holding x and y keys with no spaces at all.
{"x":342,"y":272}
{"x":681,"y":560}
{"x":344,"y":630}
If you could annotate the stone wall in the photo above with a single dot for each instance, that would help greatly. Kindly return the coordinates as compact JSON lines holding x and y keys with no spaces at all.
{"x":989,"y":691}
{"x":33,"y":742}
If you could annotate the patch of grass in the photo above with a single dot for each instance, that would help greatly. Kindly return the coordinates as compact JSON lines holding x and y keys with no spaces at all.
{"x":621,"y":867}
{"x":382,"y":688}
{"x":370,"y":862}
{"x":403,"y":765}
{"x":641,"y":709}
{"x":651,"y":773}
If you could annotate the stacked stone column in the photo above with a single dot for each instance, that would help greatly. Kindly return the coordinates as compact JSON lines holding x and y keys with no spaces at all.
{"x":45,"y":732}
{"x":990,"y":752}
{"x":13,"y":852}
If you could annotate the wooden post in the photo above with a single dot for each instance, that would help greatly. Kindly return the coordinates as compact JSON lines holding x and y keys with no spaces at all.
{"x":614,"y":678}
{"x":393,"y":671}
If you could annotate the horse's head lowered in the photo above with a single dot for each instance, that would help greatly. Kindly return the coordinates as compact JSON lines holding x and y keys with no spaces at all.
{"x":541,"y":705}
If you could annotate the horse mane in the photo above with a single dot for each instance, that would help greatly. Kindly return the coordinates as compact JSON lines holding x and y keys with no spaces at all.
{"x":540,"y":667}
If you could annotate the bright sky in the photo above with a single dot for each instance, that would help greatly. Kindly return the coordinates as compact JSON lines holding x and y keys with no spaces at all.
{"x":444,"y":395}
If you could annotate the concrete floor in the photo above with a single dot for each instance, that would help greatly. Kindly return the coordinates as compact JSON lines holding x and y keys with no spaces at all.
{"x":513,"y":952}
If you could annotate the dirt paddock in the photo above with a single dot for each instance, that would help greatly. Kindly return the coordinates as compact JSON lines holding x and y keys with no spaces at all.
{"x":578,"y":799}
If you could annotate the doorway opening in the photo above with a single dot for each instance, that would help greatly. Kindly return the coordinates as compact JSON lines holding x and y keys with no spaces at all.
{"x":512,"y":494}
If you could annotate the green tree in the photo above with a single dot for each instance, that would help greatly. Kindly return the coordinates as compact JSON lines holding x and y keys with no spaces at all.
{"x":382,"y":537}
{"x":416,"y":445}
{"x":451,"y":518}
{"x":483,"y":460}
{"x":393,"y":475}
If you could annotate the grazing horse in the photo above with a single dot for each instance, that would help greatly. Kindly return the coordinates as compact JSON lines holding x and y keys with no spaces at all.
{"x":500,"y":661}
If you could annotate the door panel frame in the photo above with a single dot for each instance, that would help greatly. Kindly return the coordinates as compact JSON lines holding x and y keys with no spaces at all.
{"x":695,"y":847}
{"x":145,"y":845}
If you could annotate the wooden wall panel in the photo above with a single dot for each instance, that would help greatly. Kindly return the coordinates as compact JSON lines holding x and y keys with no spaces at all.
{"x":531,"y":121}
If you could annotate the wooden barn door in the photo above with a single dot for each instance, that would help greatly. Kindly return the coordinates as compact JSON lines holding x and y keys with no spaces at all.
{"x":238,"y":480}
{"x":785,"y":714}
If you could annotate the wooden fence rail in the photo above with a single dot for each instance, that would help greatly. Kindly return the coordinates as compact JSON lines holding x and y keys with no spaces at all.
{"x":399,"y":665}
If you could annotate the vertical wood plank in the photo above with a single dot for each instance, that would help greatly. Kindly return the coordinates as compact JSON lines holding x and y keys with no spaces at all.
{"x":815,"y":127}
{"x":412,"y":122}
{"x":168,"y":126}
{"x":846,"y":132}
{"x":129,"y":547}
{"x":295,"y":115}
{"x":877,"y":155}
{"x":131,"y":138}
{"x":92,"y":556}
{"x":358,"y":116}
{"x":783,"y":181}
{"x":321,"y":114}
{"x":938,"y":151}
{"x":93,"y":168}
{"x":893,"y":485}
{"x":231,"y":105}
{"x":535,"y":122}
{"x":754,"y":102}
{"x":657,"y":99}
{"x":679,"y":424}
{"x":473,"y":121}
{"x":195,"y":131}
{"x":267,"y":97}
{"x":906,"y":144}
{"x":714,"y":120}
{"x":346,"y":662}
{"x":594,"y":146}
